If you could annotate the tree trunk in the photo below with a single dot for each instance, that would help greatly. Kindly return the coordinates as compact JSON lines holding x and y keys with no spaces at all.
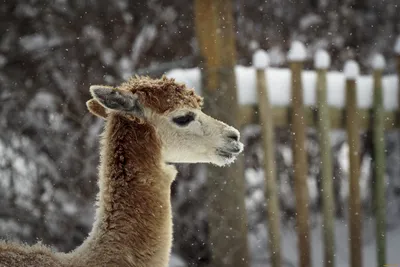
{"x":226,"y":186}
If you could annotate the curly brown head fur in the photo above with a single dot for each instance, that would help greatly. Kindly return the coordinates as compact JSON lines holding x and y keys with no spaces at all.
{"x":162,"y":95}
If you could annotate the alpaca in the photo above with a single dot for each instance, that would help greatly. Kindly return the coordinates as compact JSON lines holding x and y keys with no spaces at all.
{"x":150,"y":124}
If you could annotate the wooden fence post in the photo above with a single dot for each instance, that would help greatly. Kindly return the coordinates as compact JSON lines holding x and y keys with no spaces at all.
{"x":296,"y":57}
{"x":351,"y":71}
{"x":379,"y":161}
{"x":260,"y":62}
{"x":397,"y":52}
{"x":322,"y":62}
{"x":227,"y":218}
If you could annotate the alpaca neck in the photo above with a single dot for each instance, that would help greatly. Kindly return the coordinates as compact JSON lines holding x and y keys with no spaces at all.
{"x":133,"y":217}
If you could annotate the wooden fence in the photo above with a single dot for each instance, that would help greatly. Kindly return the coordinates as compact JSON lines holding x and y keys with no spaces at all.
{"x":214,"y":31}
{"x":324,"y":118}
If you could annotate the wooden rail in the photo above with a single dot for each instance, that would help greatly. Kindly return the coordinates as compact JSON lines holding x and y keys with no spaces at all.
{"x":281,"y":116}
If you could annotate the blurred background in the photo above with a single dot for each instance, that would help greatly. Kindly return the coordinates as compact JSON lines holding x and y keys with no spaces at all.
{"x":52,"y":51}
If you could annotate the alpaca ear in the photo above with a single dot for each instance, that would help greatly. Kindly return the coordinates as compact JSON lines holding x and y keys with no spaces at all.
{"x":96,"y":108}
{"x":117,"y":99}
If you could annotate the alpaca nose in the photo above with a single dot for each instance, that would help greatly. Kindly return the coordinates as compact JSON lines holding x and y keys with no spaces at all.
{"x":234,"y":136}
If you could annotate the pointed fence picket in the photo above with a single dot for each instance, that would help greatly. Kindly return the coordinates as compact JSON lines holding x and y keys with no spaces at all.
{"x":379,"y":167}
{"x":271,"y":188}
{"x":328,"y":204}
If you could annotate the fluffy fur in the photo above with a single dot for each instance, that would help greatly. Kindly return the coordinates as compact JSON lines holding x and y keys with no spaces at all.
{"x":96,"y":108}
{"x":12,"y":254}
{"x":133,"y":225}
{"x":162,"y":95}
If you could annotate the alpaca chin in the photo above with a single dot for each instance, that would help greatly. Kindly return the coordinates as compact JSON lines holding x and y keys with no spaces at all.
{"x":229,"y":161}
{"x":222,"y":161}
{"x":228,"y":154}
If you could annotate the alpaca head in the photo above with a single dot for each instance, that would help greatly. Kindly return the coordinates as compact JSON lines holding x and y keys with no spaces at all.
{"x":187,"y":135}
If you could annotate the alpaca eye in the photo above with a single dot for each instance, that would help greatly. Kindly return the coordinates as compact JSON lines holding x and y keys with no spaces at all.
{"x":184,"y":120}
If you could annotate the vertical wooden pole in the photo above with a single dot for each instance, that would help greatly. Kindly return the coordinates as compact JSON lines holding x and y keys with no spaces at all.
{"x":379,"y":169}
{"x":397,"y":53}
{"x":352,"y":126}
{"x":271,"y":189}
{"x":226,"y":186}
{"x":398,"y":87}
{"x":328,"y":205}
{"x":300,"y":165}
{"x":207,"y":39}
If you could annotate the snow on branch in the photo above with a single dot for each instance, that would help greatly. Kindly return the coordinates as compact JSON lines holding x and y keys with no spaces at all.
{"x":351,"y":69}
{"x":260,"y":59}
{"x":397,"y":46}
{"x":378,"y":62}
{"x":297,"y":52}
{"x":322,"y":60}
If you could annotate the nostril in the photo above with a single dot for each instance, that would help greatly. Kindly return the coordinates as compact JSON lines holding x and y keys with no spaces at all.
{"x":233,"y":136}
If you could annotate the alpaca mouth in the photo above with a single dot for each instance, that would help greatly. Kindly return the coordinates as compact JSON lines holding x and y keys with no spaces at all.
{"x":230,"y":152}
{"x":225,"y":157}
{"x":225,"y":154}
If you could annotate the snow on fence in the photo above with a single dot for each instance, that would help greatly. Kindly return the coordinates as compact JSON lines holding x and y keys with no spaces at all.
{"x":326,"y":100}
{"x":279,"y":87}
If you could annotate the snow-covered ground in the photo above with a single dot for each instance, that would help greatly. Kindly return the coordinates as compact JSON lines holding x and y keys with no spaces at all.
{"x":260,"y":254}
{"x":259,"y":247}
